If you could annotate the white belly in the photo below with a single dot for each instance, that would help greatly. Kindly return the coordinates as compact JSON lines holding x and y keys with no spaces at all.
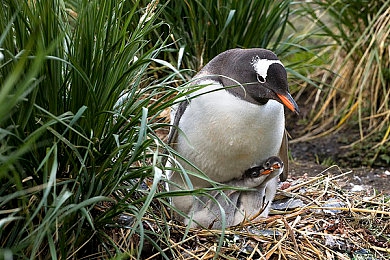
{"x":224,"y":135}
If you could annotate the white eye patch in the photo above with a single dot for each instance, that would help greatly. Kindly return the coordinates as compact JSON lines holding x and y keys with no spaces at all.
{"x":261,"y":67}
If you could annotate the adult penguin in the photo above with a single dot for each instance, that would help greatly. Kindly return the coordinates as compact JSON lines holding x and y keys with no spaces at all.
{"x":231,"y":125}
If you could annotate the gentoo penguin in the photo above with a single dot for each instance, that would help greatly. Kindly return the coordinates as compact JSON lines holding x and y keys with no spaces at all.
{"x":207,"y":212}
{"x":230,"y":125}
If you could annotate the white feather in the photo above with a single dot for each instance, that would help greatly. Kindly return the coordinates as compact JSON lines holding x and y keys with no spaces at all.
{"x":261,"y":65}
{"x":225,"y":135}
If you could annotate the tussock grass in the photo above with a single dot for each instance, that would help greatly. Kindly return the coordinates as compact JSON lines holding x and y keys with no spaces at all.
{"x":79,"y":111}
{"x":202,"y":29}
{"x":355,"y":87}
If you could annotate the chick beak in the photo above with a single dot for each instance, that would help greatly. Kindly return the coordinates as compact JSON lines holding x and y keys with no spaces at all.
{"x":267,"y":171}
{"x":276,"y":166}
{"x":289,"y":102}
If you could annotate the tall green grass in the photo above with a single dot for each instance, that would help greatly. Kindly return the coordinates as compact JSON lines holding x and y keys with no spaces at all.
{"x":72,"y":157}
{"x":202,"y":29}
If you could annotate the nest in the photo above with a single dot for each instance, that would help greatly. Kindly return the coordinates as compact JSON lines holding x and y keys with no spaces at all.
{"x":312,"y":218}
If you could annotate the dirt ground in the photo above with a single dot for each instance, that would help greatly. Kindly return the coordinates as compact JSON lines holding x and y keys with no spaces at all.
{"x":325,"y":155}
{"x":364,"y":178}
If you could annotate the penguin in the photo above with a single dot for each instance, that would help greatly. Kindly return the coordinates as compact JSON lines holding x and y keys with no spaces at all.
{"x":230,"y":126}
{"x":207,"y":213}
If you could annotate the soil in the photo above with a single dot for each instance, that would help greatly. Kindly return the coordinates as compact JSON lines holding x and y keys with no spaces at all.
{"x":326,"y":155}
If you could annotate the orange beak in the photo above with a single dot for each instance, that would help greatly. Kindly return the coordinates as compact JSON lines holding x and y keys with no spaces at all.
{"x":266,"y":172}
{"x":276,"y":166}
{"x":289,"y":102}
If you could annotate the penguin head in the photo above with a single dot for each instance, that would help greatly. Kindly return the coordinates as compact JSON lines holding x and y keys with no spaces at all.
{"x":255,"y":75}
{"x":273,"y":163}
{"x":271,"y":167}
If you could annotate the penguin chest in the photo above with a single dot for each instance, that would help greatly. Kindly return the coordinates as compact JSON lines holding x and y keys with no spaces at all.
{"x":224,"y":135}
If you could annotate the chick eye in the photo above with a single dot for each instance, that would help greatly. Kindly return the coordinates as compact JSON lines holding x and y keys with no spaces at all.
{"x":260,"y":79}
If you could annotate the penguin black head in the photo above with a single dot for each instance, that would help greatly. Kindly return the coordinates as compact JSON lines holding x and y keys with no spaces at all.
{"x":269,"y":166}
{"x":273,"y":163}
{"x":255,"y":75}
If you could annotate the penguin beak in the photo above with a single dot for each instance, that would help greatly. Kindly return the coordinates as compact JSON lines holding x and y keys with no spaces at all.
{"x":267,"y":171}
{"x":289,"y":102}
{"x":276,"y":166}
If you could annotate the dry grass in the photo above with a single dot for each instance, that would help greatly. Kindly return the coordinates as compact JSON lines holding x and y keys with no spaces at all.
{"x":332,"y":223}
{"x":354,"y":87}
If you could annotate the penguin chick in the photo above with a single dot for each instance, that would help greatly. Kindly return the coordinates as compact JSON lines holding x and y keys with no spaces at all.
{"x":269,"y":166}
{"x":207,"y":212}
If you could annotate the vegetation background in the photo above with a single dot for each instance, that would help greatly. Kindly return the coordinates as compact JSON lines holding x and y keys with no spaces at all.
{"x":85,"y":87}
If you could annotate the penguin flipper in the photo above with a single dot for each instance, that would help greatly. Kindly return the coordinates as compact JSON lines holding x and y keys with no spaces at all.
{"x":175,"y":119}
{"x":283,"y":154}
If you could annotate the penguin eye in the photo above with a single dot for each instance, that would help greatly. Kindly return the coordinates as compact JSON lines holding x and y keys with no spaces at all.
{"x":260,"y":78}
{"x":267,"y":164}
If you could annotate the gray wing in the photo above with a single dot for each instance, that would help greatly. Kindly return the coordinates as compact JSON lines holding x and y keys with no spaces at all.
{"x":283,"y":154}
{"x":175,"y":119}
{"x":175,"y":122}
